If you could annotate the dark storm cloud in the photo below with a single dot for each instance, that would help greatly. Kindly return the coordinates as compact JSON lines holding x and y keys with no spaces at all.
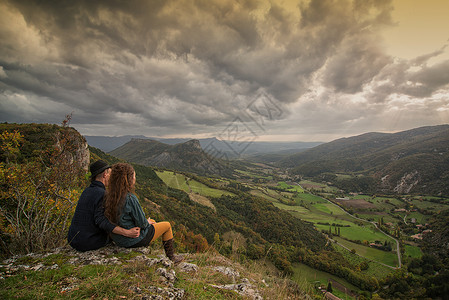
{"x":182,"y":66}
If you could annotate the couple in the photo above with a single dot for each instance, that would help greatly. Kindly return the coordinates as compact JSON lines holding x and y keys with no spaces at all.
{"x":116,"y":211}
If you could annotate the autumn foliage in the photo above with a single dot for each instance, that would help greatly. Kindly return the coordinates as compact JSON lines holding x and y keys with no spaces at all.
{"x":41,"y":179}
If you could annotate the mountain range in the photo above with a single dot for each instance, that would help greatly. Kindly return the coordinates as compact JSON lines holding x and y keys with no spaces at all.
{"x":188,"y":156}
{"x":415,"y":160}
{"x":212,"y":146}
{"x":411,"y":161}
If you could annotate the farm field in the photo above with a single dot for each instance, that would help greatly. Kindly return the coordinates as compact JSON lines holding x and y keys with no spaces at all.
{"x":323,"y":213}
{"x":317,"y":210}
{"x":188,"y":185}
{"x":259,"y":193}
{"x":432,"y":206}
{"x":389,"y":258}
{"x":290,"y":188}
{"x":253,"y":175}
{"x":360,"y":233}
{"x":314,"y":276}
{"x":413,"y":251}
{"x":309,"y":185}
{"x":374,"y":269}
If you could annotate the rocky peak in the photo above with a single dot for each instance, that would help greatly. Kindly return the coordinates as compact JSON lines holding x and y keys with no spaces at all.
{"x":190,"y":145}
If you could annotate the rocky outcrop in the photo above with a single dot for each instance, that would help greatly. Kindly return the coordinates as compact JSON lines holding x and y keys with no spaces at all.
{"x":78,"y":150}
{"x":163,"y":285}
{"x":407,"y":182}
{"x":403,"y":185}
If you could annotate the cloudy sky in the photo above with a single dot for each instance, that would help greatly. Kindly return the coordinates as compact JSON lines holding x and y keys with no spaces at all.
{"x":310,"y":70}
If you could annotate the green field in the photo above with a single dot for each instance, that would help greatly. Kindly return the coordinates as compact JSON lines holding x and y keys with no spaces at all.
{"x":318,"y":210}
{"x":290,"y":188}
{"x":307,"y":198}
{"x":174,"y":180}
{"x":388,"y":258}
{"x":374,"y":269}
{"x":413,"y":251}
{"x":253,"y":175}
{"x":434,"y":207}
{"x":302,"y":271}
{"x":259,"y":193}
{"x":188,"y":185}
{"x":361,"y":233}
{"x":307,"y":184}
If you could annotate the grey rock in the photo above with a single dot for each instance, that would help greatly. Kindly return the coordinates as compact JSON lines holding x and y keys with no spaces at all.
{"x":187,"y":267}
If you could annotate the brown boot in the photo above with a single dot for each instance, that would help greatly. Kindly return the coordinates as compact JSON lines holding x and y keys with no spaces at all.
{"x":170,"y":252}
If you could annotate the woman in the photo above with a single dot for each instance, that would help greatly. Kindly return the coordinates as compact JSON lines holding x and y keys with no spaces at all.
{"x":123,"y":208}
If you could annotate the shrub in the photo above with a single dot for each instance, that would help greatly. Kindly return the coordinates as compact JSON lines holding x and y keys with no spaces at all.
{"x":39,"y":193}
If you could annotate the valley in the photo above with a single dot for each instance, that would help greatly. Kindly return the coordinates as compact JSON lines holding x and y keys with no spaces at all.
{"x":375,"y":232}
{"x":326,"y":222}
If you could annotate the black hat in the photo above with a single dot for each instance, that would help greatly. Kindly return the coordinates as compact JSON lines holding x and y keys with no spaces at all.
{"x":97,"y":168}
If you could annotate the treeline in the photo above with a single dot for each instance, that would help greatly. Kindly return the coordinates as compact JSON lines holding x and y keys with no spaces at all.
{"x":41,"y":176}
{"x":428,"y":276}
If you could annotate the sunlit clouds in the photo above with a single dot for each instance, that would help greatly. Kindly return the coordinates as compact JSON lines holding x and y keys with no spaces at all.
{"x":189,"y":68}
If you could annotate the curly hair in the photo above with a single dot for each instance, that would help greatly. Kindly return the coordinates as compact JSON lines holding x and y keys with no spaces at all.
{"x":120,"y":184}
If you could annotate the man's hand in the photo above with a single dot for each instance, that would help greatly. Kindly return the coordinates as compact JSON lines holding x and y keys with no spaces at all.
{"x":151,"y":221}
{"x":133,"y":232}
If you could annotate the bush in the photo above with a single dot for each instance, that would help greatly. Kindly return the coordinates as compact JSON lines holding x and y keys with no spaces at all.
{"x":39,"y":192}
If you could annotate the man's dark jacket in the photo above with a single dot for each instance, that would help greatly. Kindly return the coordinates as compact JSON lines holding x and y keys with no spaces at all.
{"x":89,"y":229}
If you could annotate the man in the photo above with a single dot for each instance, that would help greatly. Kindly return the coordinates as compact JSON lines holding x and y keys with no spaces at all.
{"x":90,"y":229}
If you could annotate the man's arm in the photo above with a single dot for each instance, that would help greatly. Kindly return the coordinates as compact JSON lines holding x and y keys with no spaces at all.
{"x":103,"y":222}
{"x":131,"y":233}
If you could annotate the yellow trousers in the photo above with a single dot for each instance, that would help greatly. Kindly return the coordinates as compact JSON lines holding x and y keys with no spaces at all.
{"x":162,"y":229}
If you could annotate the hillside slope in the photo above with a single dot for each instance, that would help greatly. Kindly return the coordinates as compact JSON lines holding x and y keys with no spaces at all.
{"x":140,"y":273}
{"x":188,"y":156}
{"x":412,"y":161}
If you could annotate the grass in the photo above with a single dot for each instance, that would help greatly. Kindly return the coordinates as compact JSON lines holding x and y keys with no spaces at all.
{"x":253,"y":175}
{"x":91,"y":281}
{"x":309,"y":199}
{"x":174,"y":180}
{"x":434,"y":207}
{"x":302,"y":271}
{"x":360,"y":233}
{"x":259,"y":193}
{"x":375,"y":269}
{"x":315,"y":209}
{"x":307,"y":184}
{"x":388,"y":258}
{"x":188,"y":185}
{"x":413,"y":251}
{"x":133,"y":278}
{"x":290,"y":188}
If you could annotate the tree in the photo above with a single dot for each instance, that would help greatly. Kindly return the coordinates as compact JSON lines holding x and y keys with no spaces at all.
{"x":39,"y":192}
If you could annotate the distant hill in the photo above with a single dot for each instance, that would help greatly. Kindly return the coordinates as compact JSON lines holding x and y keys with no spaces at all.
{"x":187,"y":156}
{"x":412,"y":161}
{"x":109,"y":143}
{"x":212,"y":146}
